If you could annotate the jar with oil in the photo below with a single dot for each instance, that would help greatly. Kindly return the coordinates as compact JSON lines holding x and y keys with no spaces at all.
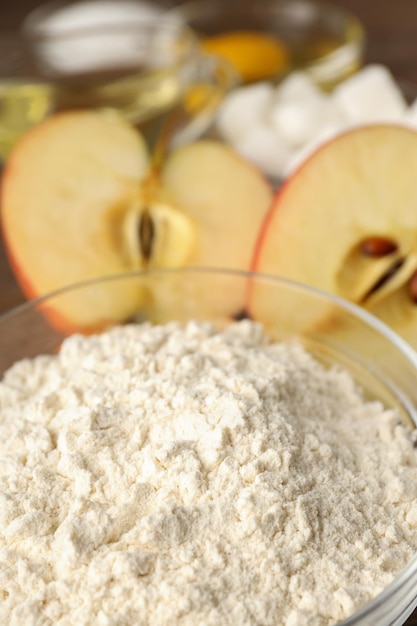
{"x":152,"y":73}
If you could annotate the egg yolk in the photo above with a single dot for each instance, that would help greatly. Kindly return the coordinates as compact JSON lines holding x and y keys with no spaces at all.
{"x":255,"y":56}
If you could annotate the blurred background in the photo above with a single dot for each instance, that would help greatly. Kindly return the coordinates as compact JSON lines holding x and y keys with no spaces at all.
{"x":391,"y":26}
{"x":391,"y":40}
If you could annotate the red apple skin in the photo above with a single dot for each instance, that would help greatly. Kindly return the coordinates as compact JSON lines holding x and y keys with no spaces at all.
{"x":58,"y":320}
{"x":261,"y":238}
{"x":357,"y":186}
{"x":275,"y":206}
{"x":278,"y":202}
{"x":212,"y":248}
{"x":17,"y":166}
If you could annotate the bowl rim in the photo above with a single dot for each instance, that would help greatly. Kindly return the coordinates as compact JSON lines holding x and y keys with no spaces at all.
{"x":407,"y":574}
{"x":354,"y":31}
{"x":270,"y":6}
{"x":357,"y":311}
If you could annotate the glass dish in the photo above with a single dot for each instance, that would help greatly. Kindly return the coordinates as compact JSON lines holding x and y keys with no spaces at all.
{"x":221,"y":296}
{"x":322,"y":39}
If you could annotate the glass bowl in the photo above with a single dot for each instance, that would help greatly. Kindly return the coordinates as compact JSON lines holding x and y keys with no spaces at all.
{"x":149,"y":70}
{"x":352,"y":339}
{"x":320,"y":38}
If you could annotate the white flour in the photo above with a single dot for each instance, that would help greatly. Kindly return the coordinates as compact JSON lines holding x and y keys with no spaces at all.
{"x":163,"y":477}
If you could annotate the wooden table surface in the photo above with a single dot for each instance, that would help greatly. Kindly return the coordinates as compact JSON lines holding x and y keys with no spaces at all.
{"x":391,"y":26}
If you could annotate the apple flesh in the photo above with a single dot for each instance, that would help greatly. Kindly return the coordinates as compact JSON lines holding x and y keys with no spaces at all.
{"x":82,"y":199}
{"x":346,"y":223}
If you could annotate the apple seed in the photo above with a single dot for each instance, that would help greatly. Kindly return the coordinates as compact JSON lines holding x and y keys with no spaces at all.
{"x":412,"y":285}
{"x":385,"y":278}
{"x":146,"y":233}
{"x":378,"y":246}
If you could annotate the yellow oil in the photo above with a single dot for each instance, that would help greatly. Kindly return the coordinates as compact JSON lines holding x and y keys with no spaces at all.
{"x":22,"y":105}
{"x":254,"y":55}
{"x":136,"y":96}
{"x":150,"y":102}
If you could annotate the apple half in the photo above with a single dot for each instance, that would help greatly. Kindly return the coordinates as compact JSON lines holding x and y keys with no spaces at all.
{"x":81,"y":198}
{"x":346,"y":223}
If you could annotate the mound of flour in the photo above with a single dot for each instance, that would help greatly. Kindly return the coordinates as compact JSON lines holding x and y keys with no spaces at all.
{"x":179,"y":476}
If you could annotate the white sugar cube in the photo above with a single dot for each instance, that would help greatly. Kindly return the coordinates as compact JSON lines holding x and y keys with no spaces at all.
{"x":242,"y":110}
{"x":296,"y":86}
{"x":300,"y":110}
{"x":263,"y":148}
{"x":298,"y":122}
{"x":371,"y":95}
